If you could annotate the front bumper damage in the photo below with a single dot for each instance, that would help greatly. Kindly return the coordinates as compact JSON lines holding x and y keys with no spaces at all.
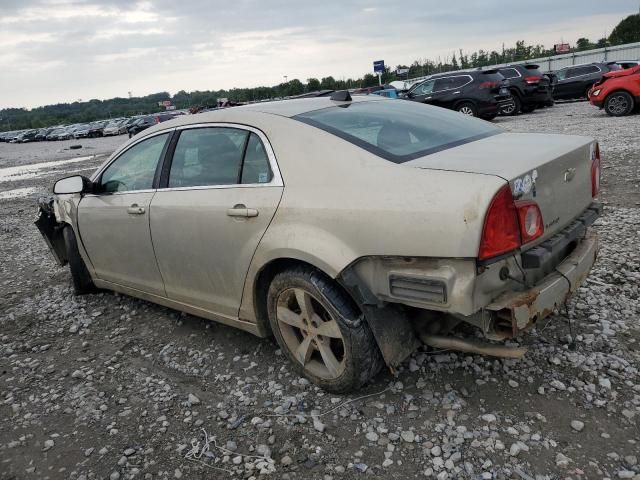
{"x":517,"y":311}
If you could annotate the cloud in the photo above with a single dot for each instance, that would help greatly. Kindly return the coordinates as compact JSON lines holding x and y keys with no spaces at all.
{"x":61,"y":50}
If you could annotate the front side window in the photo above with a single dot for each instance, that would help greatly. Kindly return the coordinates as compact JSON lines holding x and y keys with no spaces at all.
{"x":135,"y":168}
{"x":562,"y":74}
{"x":208,"y":156}
{"x":424,"y":89}
{"x":397,"y":130}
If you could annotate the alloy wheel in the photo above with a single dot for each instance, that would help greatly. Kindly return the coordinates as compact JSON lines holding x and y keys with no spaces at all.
{"x":618,"y":104}
{"x":466,"y":110}
{"x":311,"y":333}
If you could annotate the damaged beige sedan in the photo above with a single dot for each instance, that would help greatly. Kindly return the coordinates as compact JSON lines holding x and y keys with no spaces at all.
{"x":339,"y":225}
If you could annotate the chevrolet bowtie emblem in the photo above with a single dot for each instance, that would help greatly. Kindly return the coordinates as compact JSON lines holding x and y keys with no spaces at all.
{"x":569,"y":173}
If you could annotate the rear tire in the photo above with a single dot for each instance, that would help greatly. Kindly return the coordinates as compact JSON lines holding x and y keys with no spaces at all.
{"x":619,"y":104}
{"x":515,"y":109}
{"x":80,"y":276}
{"x":321,"y":331}
{"x":467,"y":108}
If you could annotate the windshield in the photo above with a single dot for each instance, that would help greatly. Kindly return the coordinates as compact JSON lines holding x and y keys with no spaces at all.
{"x":399,"y":130}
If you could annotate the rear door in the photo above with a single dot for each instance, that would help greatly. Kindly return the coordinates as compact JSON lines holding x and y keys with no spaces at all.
{"x":222,"y":188}
{"x":114,"y":223}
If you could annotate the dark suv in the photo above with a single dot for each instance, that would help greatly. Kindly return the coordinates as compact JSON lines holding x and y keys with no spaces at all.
{"x":147,"y":121}
{"x":575,"y":81}
{"x":529,"y":88}
{"x":481,"y":93}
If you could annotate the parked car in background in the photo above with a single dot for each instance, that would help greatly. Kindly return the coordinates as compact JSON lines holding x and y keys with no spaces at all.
{"x":115,"y":127}
{"x":338,"y":273}
{"x":628,"y":63}
{"x":617,"y":92}
{"x":96,"y":128}
{"x":81,"y":131}
{"x":27,"y":136}
{"x":43,"y":132}
{"x":575,"y":81}
{"x":529,"y":88}
{"x":148,"y":121}
{"x":478,"y":93}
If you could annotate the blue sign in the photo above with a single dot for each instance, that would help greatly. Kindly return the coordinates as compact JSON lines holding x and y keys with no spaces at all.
{"x":378,"y":66}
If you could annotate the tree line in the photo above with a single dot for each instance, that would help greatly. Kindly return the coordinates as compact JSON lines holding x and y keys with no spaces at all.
{"x":627,"y":31}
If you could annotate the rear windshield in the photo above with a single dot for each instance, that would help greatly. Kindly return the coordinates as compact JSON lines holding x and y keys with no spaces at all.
{"x":399,"y":130}
{"x":533,"y":70}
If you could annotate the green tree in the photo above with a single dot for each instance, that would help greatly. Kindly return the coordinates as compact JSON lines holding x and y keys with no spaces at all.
{"x":627,"y":31}
{"x":328,"y":83}
{"x":296,"y":87}
{"x":313,"y":84}
{"x":583,"y":44}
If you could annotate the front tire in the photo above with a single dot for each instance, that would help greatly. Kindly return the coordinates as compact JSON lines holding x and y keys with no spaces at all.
{"x":321,"y":330}
{"x":80,"y":276}
{"x":619,"y":104}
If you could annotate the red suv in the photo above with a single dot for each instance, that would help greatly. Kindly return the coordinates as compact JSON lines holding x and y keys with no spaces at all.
{"x":618,"y":92}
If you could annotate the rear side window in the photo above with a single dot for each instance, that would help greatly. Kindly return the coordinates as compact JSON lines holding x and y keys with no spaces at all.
{"x":509,"y":73}
{"x":207,"y":156}
{"x":255,"y":168}
{"x":398,"y":130}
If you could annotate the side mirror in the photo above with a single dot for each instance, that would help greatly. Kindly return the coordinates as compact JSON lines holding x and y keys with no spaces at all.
{"x":74,"y":184}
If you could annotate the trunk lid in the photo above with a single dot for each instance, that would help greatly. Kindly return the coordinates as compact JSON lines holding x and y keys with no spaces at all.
{"x":552,"y":170}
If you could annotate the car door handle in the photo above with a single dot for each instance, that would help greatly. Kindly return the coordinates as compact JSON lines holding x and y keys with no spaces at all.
{"x":135,"y":209}
{"x":242,"y":211}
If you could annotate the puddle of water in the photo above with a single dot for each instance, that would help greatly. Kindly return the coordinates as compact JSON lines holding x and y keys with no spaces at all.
{"x":17,"y":193}
{"x":24,"y":172}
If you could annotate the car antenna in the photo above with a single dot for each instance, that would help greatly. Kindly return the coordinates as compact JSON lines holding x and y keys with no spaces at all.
{"x":341,"y":96}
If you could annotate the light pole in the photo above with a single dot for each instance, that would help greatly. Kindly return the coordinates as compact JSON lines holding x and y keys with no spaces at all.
{"x":285,"y":78}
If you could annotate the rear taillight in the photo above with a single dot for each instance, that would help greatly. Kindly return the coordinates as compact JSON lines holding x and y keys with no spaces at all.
{"x":509,"y":224}
{"x":533,"y":79}
{"x":530,"y":219}
{"x":501,"y":232}
{"x":596,"y":164}
{"x":489,"y":85}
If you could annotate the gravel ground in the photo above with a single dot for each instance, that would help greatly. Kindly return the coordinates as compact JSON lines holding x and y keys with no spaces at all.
{"x":106,"y":386}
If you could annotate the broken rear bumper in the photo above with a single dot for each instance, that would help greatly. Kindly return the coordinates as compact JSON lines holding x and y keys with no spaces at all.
{"x":522,"y":309}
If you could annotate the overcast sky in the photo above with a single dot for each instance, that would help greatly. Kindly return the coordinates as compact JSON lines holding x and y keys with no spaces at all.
{"x":62,"y":50}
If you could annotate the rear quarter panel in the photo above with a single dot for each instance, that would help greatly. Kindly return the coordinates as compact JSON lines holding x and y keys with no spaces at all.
{"x":341,"y":203}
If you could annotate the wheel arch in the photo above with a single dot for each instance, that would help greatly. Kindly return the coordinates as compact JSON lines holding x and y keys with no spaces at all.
{"x":268,"y":272}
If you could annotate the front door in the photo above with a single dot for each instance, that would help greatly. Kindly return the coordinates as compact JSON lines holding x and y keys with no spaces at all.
{"x":114,"y":223}
{"x":221,"y":193}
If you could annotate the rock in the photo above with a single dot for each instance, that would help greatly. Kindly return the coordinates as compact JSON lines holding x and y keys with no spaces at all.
{"x":489,"y":417}
{"x":286,"y":460}
{"x":408,"y":436}
{"x":177,"y":473}
{"x":114,"y":476}
{"x":129,"y":451}
{"x":562,"y":460}
{"x":372,"y":436}
{"x":193,"y":400}
{"x":318,"y":425}
{"x":387,"y":463}
{"x":604,"y":383}
{"x":436,"y":451}
{"x":626,"y":474}
{"x":577,"y":425}
{"x":48,"y":445}
{"x":79,"y":374}
{"x":237,"y":460}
